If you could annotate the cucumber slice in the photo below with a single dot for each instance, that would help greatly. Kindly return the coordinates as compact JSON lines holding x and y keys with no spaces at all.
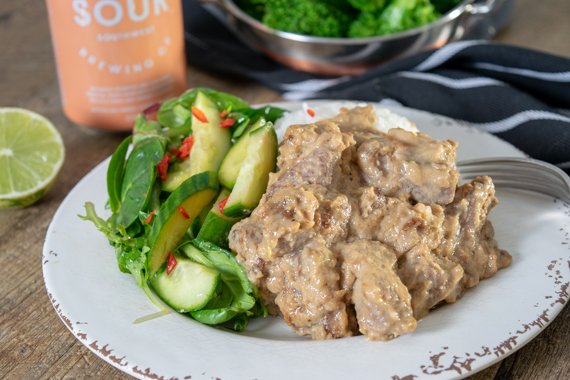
{"x":253,"y":175}
{"x":217,"y":226}
{"x":179,"y":173}
{"x":196,"y":225}
{"x":189,"y":287}
{"x":261,"y":122}
{"x":169,"y":225}
{"x":232,"y":163}
{"x":211,"y":143}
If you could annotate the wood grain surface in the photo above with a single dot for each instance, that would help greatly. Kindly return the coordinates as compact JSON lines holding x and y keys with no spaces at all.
{"x":34,"y":343}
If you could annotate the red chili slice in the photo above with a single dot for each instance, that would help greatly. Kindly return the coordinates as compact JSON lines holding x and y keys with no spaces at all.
{"x":171,"y":263}
{"x":311,"y":112}
{"x":222,"y":204}
{"x":185,"y":147}
{"x":183,"y":212}
{"x":199,"y":114}
{"x":162,"y":167}
{"x":149,"y":217}
{"x":224,"y":114}
{"x":229,"y":122}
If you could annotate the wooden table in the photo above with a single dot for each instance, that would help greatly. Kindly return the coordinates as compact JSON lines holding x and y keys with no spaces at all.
{"x":34,"y":343}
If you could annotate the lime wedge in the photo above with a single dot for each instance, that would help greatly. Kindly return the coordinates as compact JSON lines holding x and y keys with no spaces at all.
{"x":31,"y":156}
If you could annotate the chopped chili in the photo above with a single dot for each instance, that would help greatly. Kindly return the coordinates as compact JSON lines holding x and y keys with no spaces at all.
{"x":311,"y":112}
{"x":162,"y":167}
{"x":183,"y":212}
{"x":222,"y":204}
{"x":149,"y":217}
{"x":185,"y":147}
{"x":224,"y":114}
{"x":199,"y":114}
{"x":171,"y":263}
{"x":229,"y":122}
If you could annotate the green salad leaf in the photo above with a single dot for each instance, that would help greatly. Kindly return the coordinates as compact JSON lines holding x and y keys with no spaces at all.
{"x":115,"y":174}
{"x":176,"y":117}
{"x":145,"y":128}
{"x":138,"y":179}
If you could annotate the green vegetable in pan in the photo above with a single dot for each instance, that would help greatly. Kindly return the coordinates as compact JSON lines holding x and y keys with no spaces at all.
{"x":346,"y":18}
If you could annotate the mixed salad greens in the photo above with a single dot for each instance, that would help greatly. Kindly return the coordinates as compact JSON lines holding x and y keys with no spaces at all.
{"x":346,"y":18}
{"x":193,"y":167}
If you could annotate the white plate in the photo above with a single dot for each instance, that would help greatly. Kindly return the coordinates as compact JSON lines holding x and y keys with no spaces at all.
{"x":99,"y":304}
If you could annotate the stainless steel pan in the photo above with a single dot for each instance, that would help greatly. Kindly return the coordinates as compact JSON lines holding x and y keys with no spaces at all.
{"x":347,"y":56}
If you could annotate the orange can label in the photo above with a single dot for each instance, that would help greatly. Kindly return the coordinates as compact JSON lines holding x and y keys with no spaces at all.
{"x":116,"y":57}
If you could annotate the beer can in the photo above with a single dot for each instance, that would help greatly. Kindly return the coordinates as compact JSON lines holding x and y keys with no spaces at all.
{"x":116,"y":57}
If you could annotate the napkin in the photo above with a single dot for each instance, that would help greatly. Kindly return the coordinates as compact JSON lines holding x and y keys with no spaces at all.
{"x":517,"y":94}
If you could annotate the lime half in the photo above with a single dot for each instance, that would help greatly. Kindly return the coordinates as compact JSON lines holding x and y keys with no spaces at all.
{"x":31,"y":156}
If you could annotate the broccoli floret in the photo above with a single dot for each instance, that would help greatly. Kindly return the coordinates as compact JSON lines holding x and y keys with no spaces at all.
{"x":254,"y":8}
{"x":398,"y":16}
{"x":368,"y":5}
{"x":424,"y":14}
{"x":367,"y":24}
{"x":311,"y":17}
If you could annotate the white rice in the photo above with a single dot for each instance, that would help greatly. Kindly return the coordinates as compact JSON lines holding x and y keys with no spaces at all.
{"x":386,"y":119}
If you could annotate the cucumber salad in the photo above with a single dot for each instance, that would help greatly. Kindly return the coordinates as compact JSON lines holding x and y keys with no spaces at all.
{"x":193,"y":167}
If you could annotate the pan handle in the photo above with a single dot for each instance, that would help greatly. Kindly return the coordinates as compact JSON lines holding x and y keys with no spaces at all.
{"x":480,"y":7}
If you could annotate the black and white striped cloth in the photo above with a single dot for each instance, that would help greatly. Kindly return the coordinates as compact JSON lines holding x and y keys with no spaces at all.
{"x":520,"y":95}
